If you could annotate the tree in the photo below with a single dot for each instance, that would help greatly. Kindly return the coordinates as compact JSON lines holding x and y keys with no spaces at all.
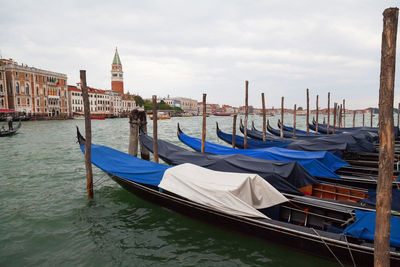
{"x":300,"y":108}
{"x":139,"y":100}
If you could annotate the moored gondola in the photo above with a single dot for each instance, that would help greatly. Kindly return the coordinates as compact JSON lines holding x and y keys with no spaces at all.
{"x":323,"y":232}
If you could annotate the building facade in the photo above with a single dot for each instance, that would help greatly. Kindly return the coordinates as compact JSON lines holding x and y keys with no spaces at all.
{"x":33,"y":91}
{"x":3,"y":91}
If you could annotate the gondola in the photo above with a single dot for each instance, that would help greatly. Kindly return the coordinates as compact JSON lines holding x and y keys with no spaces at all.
{"x":323,"y":232}
{"x":340,"y":172}
{"x":10,"y":132}
{"x":290,"y":129}
{"x":289,"y":178}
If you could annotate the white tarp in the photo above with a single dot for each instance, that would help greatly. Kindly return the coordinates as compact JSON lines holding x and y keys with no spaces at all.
{"x":233,"y":193}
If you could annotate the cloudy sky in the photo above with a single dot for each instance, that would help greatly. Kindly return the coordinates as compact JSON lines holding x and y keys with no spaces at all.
{"x":187,"y":48}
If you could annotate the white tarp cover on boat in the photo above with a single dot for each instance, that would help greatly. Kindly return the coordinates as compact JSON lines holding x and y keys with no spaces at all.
{"x":233,"y":193}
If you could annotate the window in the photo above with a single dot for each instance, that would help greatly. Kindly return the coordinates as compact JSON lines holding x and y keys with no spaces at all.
{"x":27,"y":88}
{"x":16,"y":74}
{"x":120,"y":75}
{"x":36,"y":78}
{"x":28,"y":102}
{"x":37,"y":90}
{"x":38,"y":102}
{"x":18,"y":101}
{"x":17,"y":87}
{"x":45,"y":102}
{"x":2,"y":103}
{"x":1,"y":88}
{"x":0,"y":75}
{"x":115,"y":75}
{"x":26,"y":76}
{"x":43,"y":78}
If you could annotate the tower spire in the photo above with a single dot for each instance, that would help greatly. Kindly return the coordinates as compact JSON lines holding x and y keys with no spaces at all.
{"x":117,"y":80}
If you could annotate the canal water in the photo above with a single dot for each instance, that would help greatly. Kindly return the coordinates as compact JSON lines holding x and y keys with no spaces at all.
{"x":46,"y":218}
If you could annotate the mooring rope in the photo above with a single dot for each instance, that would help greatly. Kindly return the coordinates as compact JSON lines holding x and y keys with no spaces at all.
{"x":341,"y":264}
{"x":351,"y":254}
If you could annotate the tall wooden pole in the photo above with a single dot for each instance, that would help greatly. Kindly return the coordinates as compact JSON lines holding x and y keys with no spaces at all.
{"x":386,"y":138}
{"x":354,"y":118}
{"x":203,"y":134}
{"x":308,"y":111}
{"x":316,"y":126}
{"x":88,"y":135}
{"x":282,"y":112}
{"x":363,"y":119}
{"x":344,"y":114}
{"x":329,"y":111}
{"x":234,"y":131}
{"x":133,"y":132}
{"x":398,"y":116}
{"x":340,"y":117}
{"x":372,"y":115}
{"x":155,"y":138}
{"x":144,"y":152}
{"x":334,"y":117}
{"x":294,"y":120}
{"x":246,"y":113}
{"x":264,"y":118}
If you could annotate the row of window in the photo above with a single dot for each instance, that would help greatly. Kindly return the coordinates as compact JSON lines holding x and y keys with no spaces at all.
{"x":90,"y":95}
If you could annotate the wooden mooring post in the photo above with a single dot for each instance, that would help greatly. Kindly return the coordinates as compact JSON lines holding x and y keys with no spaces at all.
{"x":155,"y":138}
{"x":398,"y":116}
{"x":340,"y":116}
{"x":88,"y":135}
{"x":246,"y":113}
{"x":203,"y":133}
{"x":386,"y":138}
{"x":144,"y":152}
{"x":334,"y":117}
{"x":316,"y":125}
{"x":308,"y":112}
{"x":282,"y":116}
{"x":363,"y":119}
{"x":133,"y":132}
{"x":294,"y":120}
{"x":234,"y":131}
{"x":372,"y":116}
{"x":344,"y":113}
{"x":354,"y":118}
{"x":329,"y":111}
{"x":264,"y":118}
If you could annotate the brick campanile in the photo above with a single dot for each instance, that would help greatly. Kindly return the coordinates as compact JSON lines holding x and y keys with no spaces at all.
{"x":117,"y":79}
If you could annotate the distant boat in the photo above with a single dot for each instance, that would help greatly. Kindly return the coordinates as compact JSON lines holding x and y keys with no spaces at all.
{"x":93,"y":116}
{"x":222,"y":114}
{"x":161,"y":116}
{"x":10,"y":132}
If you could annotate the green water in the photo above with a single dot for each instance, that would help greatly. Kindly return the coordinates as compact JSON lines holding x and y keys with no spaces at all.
{"x":46,"y":218}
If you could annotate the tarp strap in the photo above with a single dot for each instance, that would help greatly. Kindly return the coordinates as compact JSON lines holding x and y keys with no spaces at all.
{"x":351,"y":254}
{"x":341,"y":264}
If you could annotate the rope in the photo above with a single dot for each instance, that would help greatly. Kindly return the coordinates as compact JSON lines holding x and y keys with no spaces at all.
{"x":351,"y":254}
{"x":341,"y":264}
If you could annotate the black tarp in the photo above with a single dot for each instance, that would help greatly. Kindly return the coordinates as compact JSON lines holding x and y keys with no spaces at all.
{"x":285,"y":176}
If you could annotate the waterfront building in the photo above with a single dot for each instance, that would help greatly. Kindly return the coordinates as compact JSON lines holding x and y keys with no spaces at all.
{"x":34,"y":91}
{"x":187,"y":104}
{"x":3,"y":91}
{"x":117,"y":79}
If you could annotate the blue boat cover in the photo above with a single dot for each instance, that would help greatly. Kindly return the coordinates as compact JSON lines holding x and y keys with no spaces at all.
{"x":336,"y":148}
{"x":372,"y":199}
{"x":319,"y":164}
{"x":364,"y":227}
{"x":285,"y":176}
{"x":126,"y":166}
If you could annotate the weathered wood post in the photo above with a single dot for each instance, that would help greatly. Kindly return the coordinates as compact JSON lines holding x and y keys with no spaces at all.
{"x":316,"y":126}
{"x":144,"y":152}
{"x":324,"y":121}
{"x":354,"y":118}
{"x":282,"y":112}
{"x":203,"y":133}
{"x":155,"y":138}
{"x":234,"y":131}
{"x":329,"y":111}
{"x":363,"y":119}
{"x":372,"y":115}
{"x":386,"y":138}
{"x":308,"y":112}
{"x":344,"y":114}
{"x":88,"y":135}
{"x":334,"y":117}
{"x":246,"y":114}
{"x":398,"y":116}
{"x":294,"y":120}
{"x":340,"y":116}
{"x":264,"y":118}
{"x":133,"y":132}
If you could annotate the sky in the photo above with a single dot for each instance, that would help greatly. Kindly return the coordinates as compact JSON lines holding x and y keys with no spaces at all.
{"x":187,"y":48}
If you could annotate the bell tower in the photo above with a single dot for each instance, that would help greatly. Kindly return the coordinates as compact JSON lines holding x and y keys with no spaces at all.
{"x":117,"y":78}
